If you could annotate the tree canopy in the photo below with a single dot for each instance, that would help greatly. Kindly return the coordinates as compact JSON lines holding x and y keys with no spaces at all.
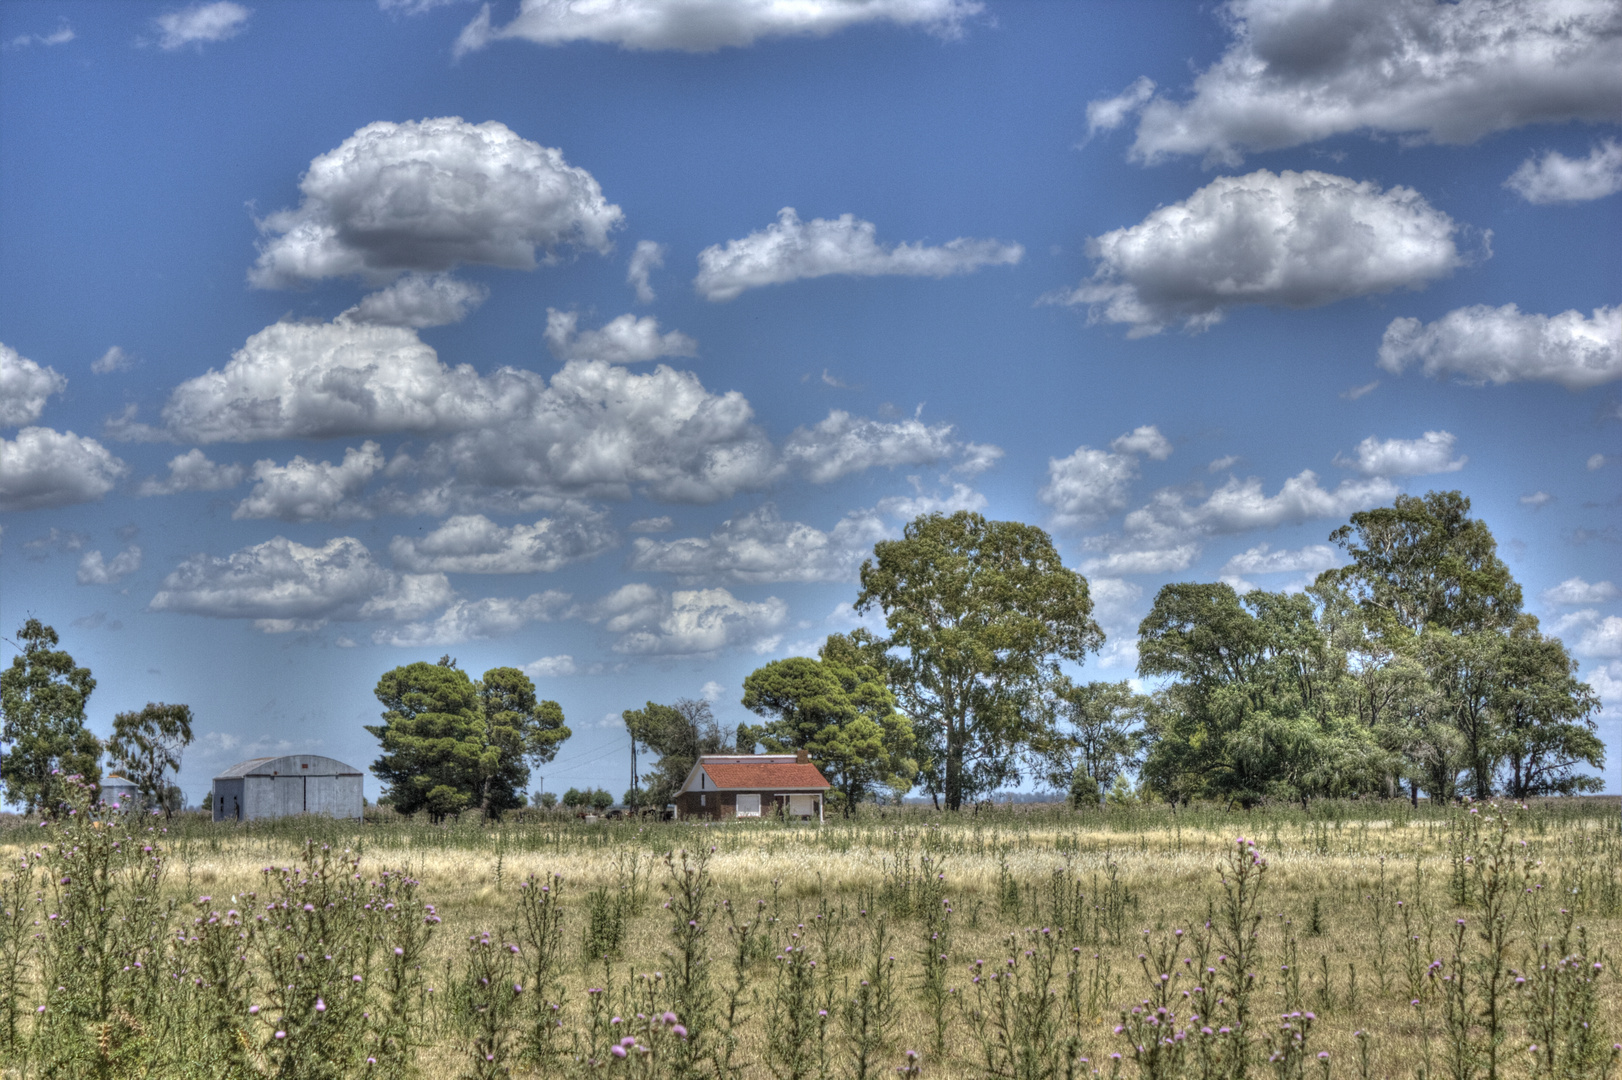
{"x":980,"y":614}
{"x":450,"y":743}
{"x":838,"y":709}
{"x":42,"y":696}
{"x":678,"y":734}
{"x":147,"y":746}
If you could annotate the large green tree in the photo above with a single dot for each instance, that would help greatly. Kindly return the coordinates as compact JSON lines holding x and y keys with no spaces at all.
{"x":678,"y":734}
{"x":146,"y":746}
{"x":1247,"y":713}
{"x":1096,"y":733}
{"x":980,"y":614}
{"x":450,"y":743}
{"x":1495,"y":703}
{"x":840,"y":711}
{"x":43,"y":695}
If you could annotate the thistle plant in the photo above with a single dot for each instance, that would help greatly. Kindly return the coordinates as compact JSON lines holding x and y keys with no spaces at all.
{"x":490,"y":994}
{"x":1012,"y":1009}
{"x":692,"y":995}
{"x":870,"y":1012}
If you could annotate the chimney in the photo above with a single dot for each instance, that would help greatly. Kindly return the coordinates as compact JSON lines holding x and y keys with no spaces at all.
{"x":801,"y":757}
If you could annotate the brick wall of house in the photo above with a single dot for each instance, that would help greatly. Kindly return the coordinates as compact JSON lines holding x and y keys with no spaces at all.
{"x":717,"y":804}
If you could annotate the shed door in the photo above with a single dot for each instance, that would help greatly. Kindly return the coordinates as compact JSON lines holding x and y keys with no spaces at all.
{"x":749,"y":805}
{"x":321,"y":795}
{"x":802,"y":805}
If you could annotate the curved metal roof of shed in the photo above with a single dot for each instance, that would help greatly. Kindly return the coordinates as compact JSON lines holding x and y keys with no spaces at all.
{"x":290,"y":765}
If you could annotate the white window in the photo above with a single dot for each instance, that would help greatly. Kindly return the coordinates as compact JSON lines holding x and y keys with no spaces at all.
{"x":749,"y":805}
{"x":701,"y":800}
{"x":802,"y":805}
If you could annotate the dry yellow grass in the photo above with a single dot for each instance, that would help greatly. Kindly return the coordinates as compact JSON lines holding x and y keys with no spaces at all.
{"x":1169,"y":872}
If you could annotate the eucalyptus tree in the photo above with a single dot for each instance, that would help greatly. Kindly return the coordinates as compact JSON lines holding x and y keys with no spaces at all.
{"x":147,"y":747}
{"x":980,"y":615}
{"x":839,"y":709}
{"x":42,"y":705}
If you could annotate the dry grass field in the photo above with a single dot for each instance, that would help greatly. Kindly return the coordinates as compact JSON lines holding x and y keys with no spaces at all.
{"x":1351,"y":916}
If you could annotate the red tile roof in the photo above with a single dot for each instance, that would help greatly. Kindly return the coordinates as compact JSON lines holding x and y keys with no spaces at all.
{"x":765,"y":775}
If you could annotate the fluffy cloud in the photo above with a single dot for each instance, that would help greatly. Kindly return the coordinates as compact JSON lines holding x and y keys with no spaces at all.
{"x":1107,"y":114}
{"x":1431,"y":453}
{"x":429,"y":195}
{"x":192,"y":471}
{"x":477,"y":620}
{"x":114,"y":359}
{"x":1596,"y":461}
{"x":1606,"y":679}
{"x":1145,"y":440}
{"x":1144,"y":561}
{"x":842,"y":444}
{"x":1241,"y":505}
{"x":551,"y":667}
{"x":1294,"y":239}
{"x":201,"y":23}
{"x":1555,"y":178}
{"x":792,"y":249}
{"x":761,"y":547}
{"x":1261,"y":559}
{"x":649,"y":621}
{"x":1482,"y":344}
{"x":280,"y":583}
{"x":304,"y":490}
{"x":704,"y":25}
{"x":648,"y":257}
{"x":24,"y":387}
{"x":94,"y":570}
{"x":1301,"y":70}
{"x":625,"y":340}
{"x":43,"y":468}
{"x":977,"y":458}
{"x":1537,"y":499}
{"x":1090,"y":485}
{"x":419,"y":300}
{"x":662,"y":523}
{"x":1575,"y":590}
{"x":907,"y":507}
{"x":473,"y":544}
{"x":1598,"y":635}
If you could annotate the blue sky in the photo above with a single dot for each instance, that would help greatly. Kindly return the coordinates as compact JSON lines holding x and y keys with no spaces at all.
{"x":604,"y":339}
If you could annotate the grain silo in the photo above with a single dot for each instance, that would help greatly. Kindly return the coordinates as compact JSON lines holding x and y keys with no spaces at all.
{"x":272,"y":787}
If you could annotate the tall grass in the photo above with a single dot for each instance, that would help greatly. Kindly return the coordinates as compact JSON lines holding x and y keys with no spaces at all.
{"x":1028,"y":943}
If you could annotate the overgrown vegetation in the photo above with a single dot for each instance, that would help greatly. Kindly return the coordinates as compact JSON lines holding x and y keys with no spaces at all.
{"x":1367,"y":938}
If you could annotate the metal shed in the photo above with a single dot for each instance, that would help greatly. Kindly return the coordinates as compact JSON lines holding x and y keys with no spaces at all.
{"x":272,"y":787}
{"x":117,"y":793}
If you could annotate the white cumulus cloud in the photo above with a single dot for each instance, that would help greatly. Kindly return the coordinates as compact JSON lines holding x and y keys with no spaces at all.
{"x":1107,"y":114}
{"x":791,"y":249}
{"x":24,"y":387}
{"x":1482,"y":344}
{"x":1597,"y":635}
{"x":704,"y":25}
{"x":419,"y":300}
{"x":1241,"y":505}
{"x":1262,"y":559}
{"x":1296,"y":71}
{"x":650,"y":621}
{"x":551,"y":667}
{"x":477,"y":620}
{"x":282,"y":582}
{"x":841,"y":444}
{"x":1574,"y":591}
{"x":304,"y":490}
{"x":1555,"y":178}
{"x":1431,"y":453}
{"x":760,"y":547}
{"x":427,"y":196}
{"x":1143,"y":561}
{"x":1291,"y":239}
{"x":60,"y":36}
{"x":94,"y":570}
{"x":201,"y":23}
{"x":473,"y":544}
{"x":1090,"y":484}
{"x":114,"y":359}
{"x":625,"y":340}
{"x":192,"y":471}
{"x":43,"y":468}
{"x":648,"y":257}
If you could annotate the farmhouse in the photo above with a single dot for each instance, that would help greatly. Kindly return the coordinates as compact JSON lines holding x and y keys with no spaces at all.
{"x":272,"y":787}
{"x":725,"y":786}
